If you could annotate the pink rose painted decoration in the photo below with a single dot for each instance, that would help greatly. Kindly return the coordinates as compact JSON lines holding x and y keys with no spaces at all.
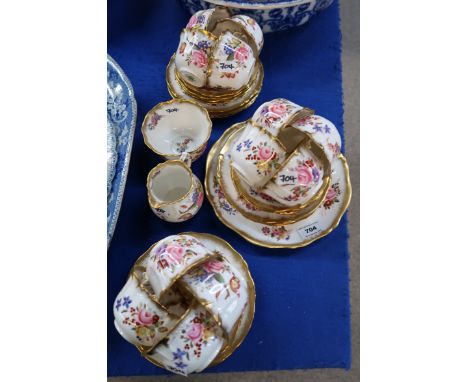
{"x":222,"y":287}
{"x":213,"y":266}
{"x":199,"y":59}
{"x":265,"y":153}
{"x":192,"y":21}
{"x":241,"y":54}
{"x":274,"y":114}
{"x":171,"y":257}
{"x":145,"y":317}
{"x":304,"y":175}
{"x":174,"y":254}
{"x":195,"y":332}
{"x":207,"y":40}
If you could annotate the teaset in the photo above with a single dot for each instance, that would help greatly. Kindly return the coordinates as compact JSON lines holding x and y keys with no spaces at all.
{"x":188,"y":302}
{"x":278,"y":179}
{"x":178,"y":130}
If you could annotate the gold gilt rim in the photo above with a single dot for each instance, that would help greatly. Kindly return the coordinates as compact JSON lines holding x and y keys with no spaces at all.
{"x":267,"y":132}
{"x":141,"y":286}
{"x":297,"y":115}
{"x":236,"y":17}
{"x":208,"y":34}
{"x":214,"y":95}
{"x":145,"y":350}
{"x":263,"y":220}
{"x":251,"y":291}
{"x":287,"y":219}
{"x":210,"y":60}
{"x":184,"y":272}
{"x":316,"y":199}
{"x":291,"y":118}
{"x":252,"y":240}
{"x":149,"y":179}
{"x":170,"y":102}
{"x":207,"y":306}
{"x":222,"y":112}
{"x":248,"y":215}
{"x":245,"y":34}
{"x":307,"y":210}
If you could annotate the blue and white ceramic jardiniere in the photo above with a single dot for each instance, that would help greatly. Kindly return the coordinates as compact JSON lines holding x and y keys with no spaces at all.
{"x":271,"y":15}
{"x":121,"y":120}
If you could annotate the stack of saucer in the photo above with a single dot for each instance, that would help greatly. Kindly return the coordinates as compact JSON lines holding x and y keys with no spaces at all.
{"x":188,"y":303}
{"x":216,"y":63}
{"x":279,"y":179}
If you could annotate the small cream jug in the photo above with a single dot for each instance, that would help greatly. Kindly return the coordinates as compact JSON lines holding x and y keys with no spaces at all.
{"x":175,"y":193}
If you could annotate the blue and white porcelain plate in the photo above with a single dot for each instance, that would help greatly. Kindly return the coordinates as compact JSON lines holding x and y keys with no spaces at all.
{"x":271,"y":15}
{"x":121,"y":121}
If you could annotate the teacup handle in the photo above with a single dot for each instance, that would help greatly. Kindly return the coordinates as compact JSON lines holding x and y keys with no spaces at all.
{"x":185,"y":157}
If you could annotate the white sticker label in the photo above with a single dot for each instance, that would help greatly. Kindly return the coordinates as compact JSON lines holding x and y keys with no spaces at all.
{"x":309,"y":230}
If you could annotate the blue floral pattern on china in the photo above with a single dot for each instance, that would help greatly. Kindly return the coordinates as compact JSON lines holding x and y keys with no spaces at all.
{"x":121,"y":121}
{"x":287,"y":13}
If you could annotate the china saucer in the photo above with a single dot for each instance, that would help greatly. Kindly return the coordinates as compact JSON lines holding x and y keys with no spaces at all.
{"x":227,"y":180}
{"x":216,"y":244}
{"x":216,"y":110}
{"x":294,"y":235}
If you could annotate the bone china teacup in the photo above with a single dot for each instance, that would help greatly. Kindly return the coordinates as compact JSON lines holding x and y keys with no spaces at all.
{"x":193,"y":344}
{"x":298,"y":180}
{"x":221,"y":288}
{"x":171,"y":258}
{"x":139,"y":319}
{"x":175,"y":194}
{"x":257,"y":155}
{"x":177,"y":126}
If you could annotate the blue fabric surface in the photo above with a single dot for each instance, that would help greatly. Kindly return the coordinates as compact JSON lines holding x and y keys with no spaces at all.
{"x":302,"y":317}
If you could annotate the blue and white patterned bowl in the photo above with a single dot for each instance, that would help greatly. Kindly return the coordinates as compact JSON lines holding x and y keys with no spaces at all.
{"x":121,"y":121}
{"x":271,"y":15}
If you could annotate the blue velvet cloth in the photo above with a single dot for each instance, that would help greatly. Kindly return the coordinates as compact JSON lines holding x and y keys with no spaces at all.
{"x":302,"y":317}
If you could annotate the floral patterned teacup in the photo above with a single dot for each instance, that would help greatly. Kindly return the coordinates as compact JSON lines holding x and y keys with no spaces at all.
{"x":192,"y":55}
{"x":205,"y":19}
{"x":200,"y":19}
{"x":171,"y":258}
{"x":299,"y":179}
{"x":175,"y":193}
{"x":233,"y":63}
{"x":323,"y":132}
{"x":218,"y":53}
{"x":252,"y":28}
{"x":138,"y":319}
{"x":257,"y":155}
{"x":276,"y":114}
{"x":193,"y":345}
{"x":177,"y":126}
{"x":242,"y":26}
{"x":220,"y":287}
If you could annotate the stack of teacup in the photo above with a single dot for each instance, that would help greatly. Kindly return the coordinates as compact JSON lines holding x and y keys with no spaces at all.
{"x":217,"y":62}
{"x":277,"y":164}
{"x":185,"y":306}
